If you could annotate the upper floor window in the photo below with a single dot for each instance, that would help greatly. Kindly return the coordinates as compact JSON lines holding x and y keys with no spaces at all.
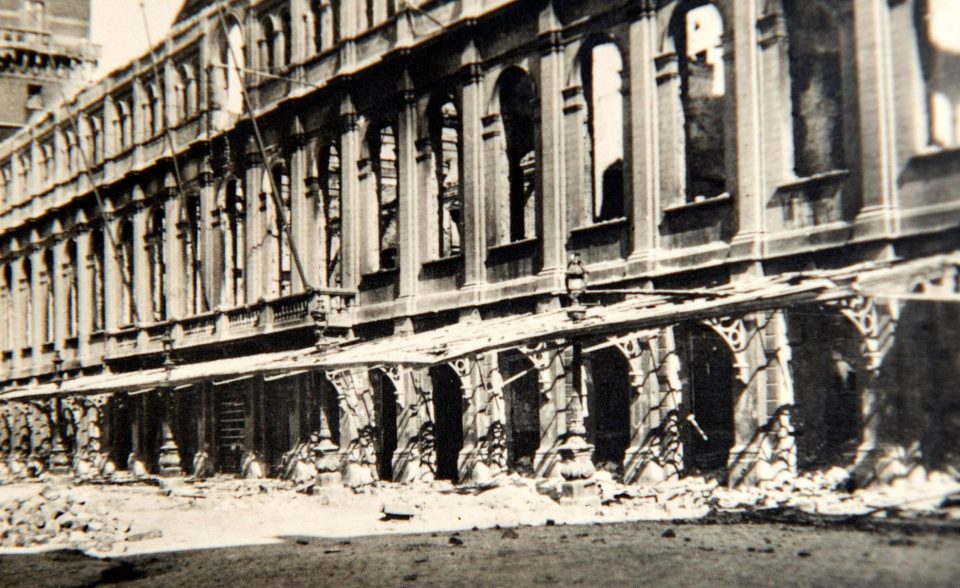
{"x":276,"y":221}
{"x":940,"y":57}
{"x":123,"y":125}
{"x":26,"y":295}
{"x":156,"y":231}
{"x":329,"y":200}
{"x":196,"y":298}
{"x":71,"y":280}
{"x":520,"y":113}
{"x":233,"y":241}
{"x":6,"y":307}
{"x":6,"y":175}
{"x":95,"y":258}
{"x":697,"y":33}
{"x":73,"y":153}
{"x":96,"y":138}
{"x":285,"y":43}
{"x":49,"y":326}
{"x":445,"y":206}
{"x":125,"y":250}
{"x":383,"y":149}
{"x":48,"y":162}
{"x":268,"y":44}
{"x":813,"y":33}
{"x":601,"y":71}
{"x":228,"y":74}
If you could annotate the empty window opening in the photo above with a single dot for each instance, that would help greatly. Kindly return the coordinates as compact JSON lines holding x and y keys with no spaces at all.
{"x":940,"y":57}
{"x":520,"y":112}
{"x":233,"y":237}
{"x":385,"y":169}
{"x":26,"y":294}
{"x":6,"y":305}
{"x":523,"y":402}
{"x":330,"y":217}
{"x":156,"y":233}
{"x":815,"y":73}
{"x":444,"y":121}
{"x":709,"y":399}
{"x":268,"y":45}
{"x":385,"y":406}
{"x":73,"y":290}
{"x":95,"y":262}
{"x":448,"y":420}
{"x":602,"y":73}
{"x":608,"y":403}
{"x":119,"y":430}
{"x":196,"y":302}
{"x":49,"y":324}
{"x":230,"y":75}
{"x":698,"y":38}
{"x":126,"y":263}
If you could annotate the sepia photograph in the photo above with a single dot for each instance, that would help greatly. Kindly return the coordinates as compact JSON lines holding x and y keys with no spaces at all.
{"x":479,"y":293}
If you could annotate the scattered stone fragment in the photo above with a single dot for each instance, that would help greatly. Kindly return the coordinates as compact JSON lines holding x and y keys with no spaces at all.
{"x":669,"y":534}
{"x":804,"y":554}
{"x":454,"y":540}
{"x":510,"y":534}
{"x":143,"y":536}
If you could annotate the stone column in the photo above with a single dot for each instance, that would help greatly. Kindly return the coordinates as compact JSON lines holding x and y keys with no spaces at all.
{"x":254,"y":229}
{"x":744,"y":148}
{"x":174,"y":279}
{"x":550,"y":155}
{"x":210,"y":259}
{"x":141,"y":268}
{"x":642,"y":150}
{"x":410,"y":231}
{"x":112,"y":276}
{"x":775,"y":96}
{"x":303,"y":212}
{"x":17,"y":302}
{"x":350,"y":208}
{"x":471,"y":466}
{"x":61,"y":291}
{"x":169,"y":461}
{"x":577,"y":147}
{"x":472,"y":184}
{"x":414,"y":458}
{"x":85,"y":308}
{"x":878,"y":161}
{"x":38,"y":298}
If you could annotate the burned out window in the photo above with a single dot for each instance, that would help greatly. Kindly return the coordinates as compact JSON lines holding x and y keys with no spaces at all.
{"x":125,"y":258}
{"x":815,"y":72}
{"x":383,"y":148}
{"x":446,"y":208}
{"x":95,"y":263}
{"x":70,"y":270}
{"x":521,"y":123}
{"x":196,"y":300}
{"x":156,"y":231}
{"x":6,"y":307}
{"x":284,"y":49}
{"x":26,"y":294}
{"x":233,"y":236}
{"x":602,"y":77}
{"x":276,"y":221}
{"x":229,"y":73}
{"x":267,"y":44}
{"x":49,"y":304}
{"x":329,"y":201}
{"x":936,"y":22}
{"x":697,"y":34}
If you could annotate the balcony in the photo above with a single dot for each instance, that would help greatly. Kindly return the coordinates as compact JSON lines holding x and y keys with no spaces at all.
{"x":330,"y":307}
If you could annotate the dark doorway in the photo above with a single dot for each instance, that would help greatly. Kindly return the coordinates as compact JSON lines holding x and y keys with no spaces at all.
{"x":522,"y":399}
{"x":709,"y":398}
{"x":448,"y":420}
{"x":608,"y":403}
{"x":231,"y":429}
{"x":828,"y":376}
{"x":152,"y":413}
{"x":187,"y":406}
{"x":120,"y":440}
{"x":277,"y":407}
{"x":385,"y":405}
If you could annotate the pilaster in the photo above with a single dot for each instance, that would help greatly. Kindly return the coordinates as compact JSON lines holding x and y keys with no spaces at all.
{"x":472,"y":184}
{"x":350,"y":209}
{"x":550,"y":155}
{"x":409,"y":230}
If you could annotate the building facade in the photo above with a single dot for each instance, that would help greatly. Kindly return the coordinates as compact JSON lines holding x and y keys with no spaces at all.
{"x":351,"y":236}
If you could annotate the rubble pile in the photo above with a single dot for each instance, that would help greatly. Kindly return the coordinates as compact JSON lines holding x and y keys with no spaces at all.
{"x":53,"y":517}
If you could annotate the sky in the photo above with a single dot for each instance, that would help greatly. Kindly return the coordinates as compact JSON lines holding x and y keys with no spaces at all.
{"x":118,"y":27}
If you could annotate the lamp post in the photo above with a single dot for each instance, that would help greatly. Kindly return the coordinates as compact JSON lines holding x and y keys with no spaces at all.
{"x":169,"y":461}
{"x":59,"y":460}
{"x":575,"y":280}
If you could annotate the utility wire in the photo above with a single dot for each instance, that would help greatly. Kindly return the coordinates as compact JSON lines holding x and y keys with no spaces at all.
{"x":171,"y":143}
{"x":277,"y":200}
{"x":124,"y":277}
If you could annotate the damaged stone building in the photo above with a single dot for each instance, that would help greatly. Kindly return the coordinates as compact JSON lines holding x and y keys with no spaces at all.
{"x":387,"y":240}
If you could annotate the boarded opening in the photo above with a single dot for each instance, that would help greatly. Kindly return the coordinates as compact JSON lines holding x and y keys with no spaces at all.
{"x":608,"y":403}
{"x":828,"y":379}
{"x":522,"y":397}
{"x":230,"y":427}
{"x":708,"y":396}
{"x":448,"y":420}
{"x":385,"y":405}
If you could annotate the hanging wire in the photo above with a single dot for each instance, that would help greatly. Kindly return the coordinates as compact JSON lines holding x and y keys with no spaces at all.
{"x":124,"y":276}
{"x":274,"y":192}
{"x":171,"y":143}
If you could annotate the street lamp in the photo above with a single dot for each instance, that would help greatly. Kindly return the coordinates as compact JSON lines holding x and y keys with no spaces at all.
{"x":59,"y":460}
{"x":169,"y":461}
{"x":575,"y":279}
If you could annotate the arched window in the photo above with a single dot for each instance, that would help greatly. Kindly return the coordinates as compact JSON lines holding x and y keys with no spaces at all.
{"x":95,"y":258}
{"x":6,"y":307}
{"x":156,"y":231}
{"x":152,"y":112}
{"x":125,"y":251}
{"x":936,"y":22}
{"x":284,"y":50}
{"x":276,"y":221}
{"x":188,"y":78}
{"x":330,"y":229}
{"x":697,"y":34}
{"x":335,"y":20}
{"x":233,"y":238}
{"x":446,"y":208}
{"x":72,"y":288}
{"x":521,"y":123}
{"x":96,"y":137}
{"x":125,"y":126}
{"x":813,"y":34}
{"x":268,"y":44}
{"x":229,"y":75}
{"x":383,"y":148}
{"x":49,"y":324}
{"x":196,"y":302}
{"x":179,"y":96}
{"x":73,"y":155}
{"x":601,"y":70}
{"x":316,"y":30}
{"x":26,"y":294}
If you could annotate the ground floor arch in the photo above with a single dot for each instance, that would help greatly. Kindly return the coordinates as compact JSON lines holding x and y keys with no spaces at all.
{"x":607,"y":418}
{"x":523,"y":401}
{"x":447,"y":420}
{"x":385,"y":409}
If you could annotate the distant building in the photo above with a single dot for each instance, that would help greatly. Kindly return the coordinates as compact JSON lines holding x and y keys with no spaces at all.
{"x":383,"y":277}
{"x":43,"y":44}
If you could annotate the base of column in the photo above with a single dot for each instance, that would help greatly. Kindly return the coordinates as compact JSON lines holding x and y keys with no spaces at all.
{"x":59,"y":461}
{"x":643,"y":466}
{"x":170,"y":461}
{"x":545,"y":463}
{"x":880,"y":464}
